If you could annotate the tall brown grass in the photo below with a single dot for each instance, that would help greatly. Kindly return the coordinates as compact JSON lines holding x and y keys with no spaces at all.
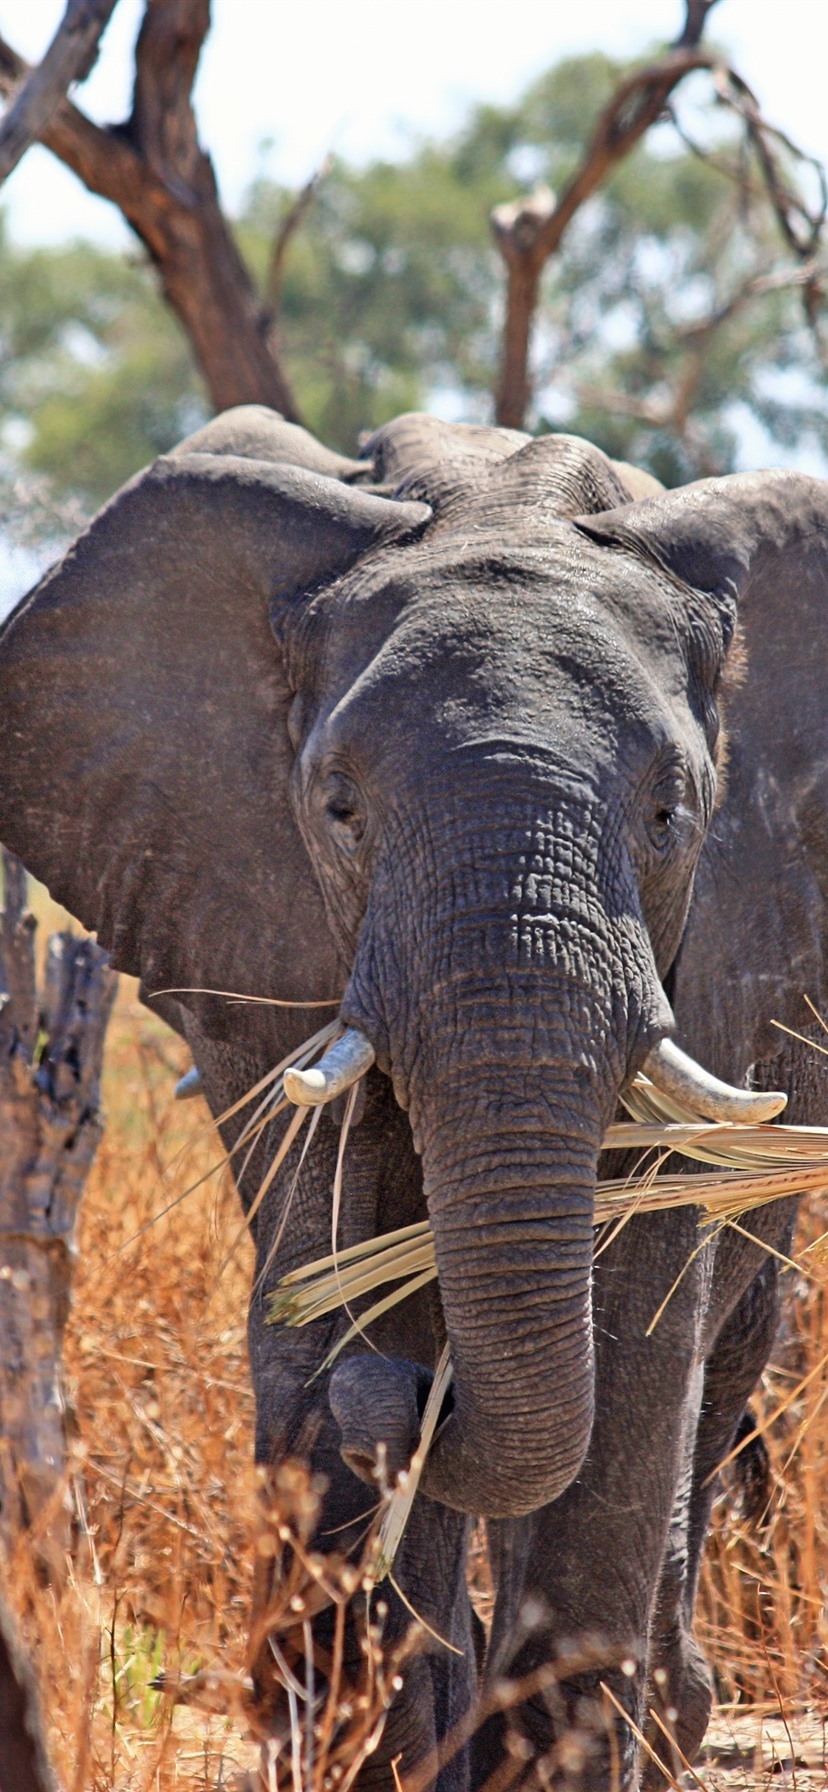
{"x":166,"y":1510}
{"x":162,"y":1485}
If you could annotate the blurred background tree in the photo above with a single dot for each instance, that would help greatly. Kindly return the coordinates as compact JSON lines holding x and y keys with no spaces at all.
{"x":95,"y":377}
{"x":670,"y":327}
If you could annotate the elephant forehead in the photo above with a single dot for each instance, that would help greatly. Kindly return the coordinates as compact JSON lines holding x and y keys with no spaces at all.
{"x":521,"y":573}
{"x":478,"y":621}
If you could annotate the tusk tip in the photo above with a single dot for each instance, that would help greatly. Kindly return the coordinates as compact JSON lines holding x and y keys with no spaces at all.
{"x":305,"y":1088}
{"x":188,"y":1085}
{"x":773,"y":1103}
{"x":679,"y":1077}
{"x":344,"y":1063}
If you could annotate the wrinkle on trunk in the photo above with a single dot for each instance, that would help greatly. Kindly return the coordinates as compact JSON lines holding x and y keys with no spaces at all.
{"x":510,"y":1186}
{"x":506,"y":980}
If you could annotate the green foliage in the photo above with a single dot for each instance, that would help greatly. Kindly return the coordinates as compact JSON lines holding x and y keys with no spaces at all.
{"x":388,"y":290}
{"x":392,"y":299}
{"x":95,"y":377}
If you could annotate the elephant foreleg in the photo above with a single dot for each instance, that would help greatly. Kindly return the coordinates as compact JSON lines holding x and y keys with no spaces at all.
{"x":582,"y":1574}
{"x":732,"y":1369}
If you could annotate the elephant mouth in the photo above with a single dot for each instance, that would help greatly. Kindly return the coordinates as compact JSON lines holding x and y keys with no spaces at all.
{"x":672,"y":1071}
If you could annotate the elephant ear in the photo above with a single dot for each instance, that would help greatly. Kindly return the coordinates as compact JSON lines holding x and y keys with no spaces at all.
{"x":143,"y":740}
{"x":756,"y":940}
{"x":258,"y":433}
{"x":726,"y":537}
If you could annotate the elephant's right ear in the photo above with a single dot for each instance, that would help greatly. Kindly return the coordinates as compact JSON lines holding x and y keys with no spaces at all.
{"x":727,"y":537}
{"x":143,"y":735}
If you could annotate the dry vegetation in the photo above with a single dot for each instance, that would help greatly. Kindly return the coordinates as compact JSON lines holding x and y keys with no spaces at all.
{"x":169,"y":1520}
{"x":164,"y":1496}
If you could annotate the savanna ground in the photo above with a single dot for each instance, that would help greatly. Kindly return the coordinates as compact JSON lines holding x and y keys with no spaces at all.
{"x":167,"y":1511}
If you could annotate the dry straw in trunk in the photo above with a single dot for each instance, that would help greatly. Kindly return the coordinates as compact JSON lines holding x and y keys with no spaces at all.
{"x":752,"y":1165}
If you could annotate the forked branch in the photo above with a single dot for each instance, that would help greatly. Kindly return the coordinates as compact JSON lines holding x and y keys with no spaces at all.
{"x":529,"y":231}
{"x":70,"y":56}
{"x":154,"y":169}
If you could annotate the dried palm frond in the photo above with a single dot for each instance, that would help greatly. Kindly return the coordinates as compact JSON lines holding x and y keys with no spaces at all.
{"x":273,"y":1103}
{"x":757,"y":1164}
{"x":398,"y":1508}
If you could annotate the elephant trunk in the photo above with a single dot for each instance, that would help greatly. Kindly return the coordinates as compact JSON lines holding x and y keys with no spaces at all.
{"x":528,"y":993}
{"x":509,"y":1165}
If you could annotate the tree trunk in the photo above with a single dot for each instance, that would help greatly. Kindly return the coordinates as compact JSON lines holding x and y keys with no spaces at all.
{"x":51,"y":1047}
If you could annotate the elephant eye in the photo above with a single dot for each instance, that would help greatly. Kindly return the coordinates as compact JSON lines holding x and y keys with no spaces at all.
{"x":667,"y":810}
{"x":661,"y":825}
{"x":344,"y":810}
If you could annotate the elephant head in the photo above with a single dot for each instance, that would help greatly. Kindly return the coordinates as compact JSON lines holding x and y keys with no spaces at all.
{"x":443,"y":751}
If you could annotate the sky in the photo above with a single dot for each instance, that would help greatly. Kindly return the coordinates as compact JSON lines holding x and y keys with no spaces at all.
{"x":312,"y":76}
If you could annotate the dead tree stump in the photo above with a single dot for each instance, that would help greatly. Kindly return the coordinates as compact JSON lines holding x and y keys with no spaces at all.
{"x":51,"y":1046}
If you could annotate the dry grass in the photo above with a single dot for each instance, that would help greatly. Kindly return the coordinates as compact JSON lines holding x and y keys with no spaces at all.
{"x":157,"y":1380}
{"x":764,"y":1616}
{"x":172,"y":1521}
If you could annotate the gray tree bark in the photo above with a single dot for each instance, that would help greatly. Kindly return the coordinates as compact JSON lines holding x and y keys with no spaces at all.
{"x":51,"y":1046}
{"x":70,"y":56}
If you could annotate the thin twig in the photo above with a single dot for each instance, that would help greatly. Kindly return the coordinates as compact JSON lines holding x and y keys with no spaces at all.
{"x":288,"y":227}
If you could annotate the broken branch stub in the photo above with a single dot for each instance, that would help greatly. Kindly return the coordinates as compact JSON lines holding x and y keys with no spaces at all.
{"x":51,"y":1047}
{"x":69,"y":58}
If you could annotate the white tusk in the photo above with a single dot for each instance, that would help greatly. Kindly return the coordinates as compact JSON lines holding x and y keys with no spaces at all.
{"x":188,"y":1085}
{"x":342,"y":1065}
{"x":675,"y":1074}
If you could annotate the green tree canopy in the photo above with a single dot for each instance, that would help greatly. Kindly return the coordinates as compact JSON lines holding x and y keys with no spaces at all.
{"x":392,"y":295}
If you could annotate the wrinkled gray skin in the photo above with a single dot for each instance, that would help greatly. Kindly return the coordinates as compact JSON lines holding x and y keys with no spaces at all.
{"x":460,"y":779}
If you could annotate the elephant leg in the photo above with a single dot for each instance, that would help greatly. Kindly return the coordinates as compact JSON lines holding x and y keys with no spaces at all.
{"x":298,"y":1415}
{"x":732,"y":1369}
{"x":741,"y":1325}
{"x":581,"y":1575}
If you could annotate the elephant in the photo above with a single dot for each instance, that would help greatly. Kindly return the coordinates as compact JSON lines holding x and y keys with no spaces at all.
{"x":520,"y":763}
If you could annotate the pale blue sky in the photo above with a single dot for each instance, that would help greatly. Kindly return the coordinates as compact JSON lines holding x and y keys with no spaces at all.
{"x":312,"y":75}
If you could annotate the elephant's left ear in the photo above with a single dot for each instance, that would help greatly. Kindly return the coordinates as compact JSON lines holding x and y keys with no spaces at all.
{"x":729,"y":537}
{"x":144,"y":755}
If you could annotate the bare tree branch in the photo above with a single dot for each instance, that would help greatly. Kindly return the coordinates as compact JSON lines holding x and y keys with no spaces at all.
{"x":287,"y":229}
{"x":528,"y":232}
{"x":101,"y":158}
{"x":801,"y":226}
{"x":154,"y":169}
{"x":70,"y":56}
{"x":778,"y":280}
{"x":672,"y":409}
{"x":696,"y":12}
